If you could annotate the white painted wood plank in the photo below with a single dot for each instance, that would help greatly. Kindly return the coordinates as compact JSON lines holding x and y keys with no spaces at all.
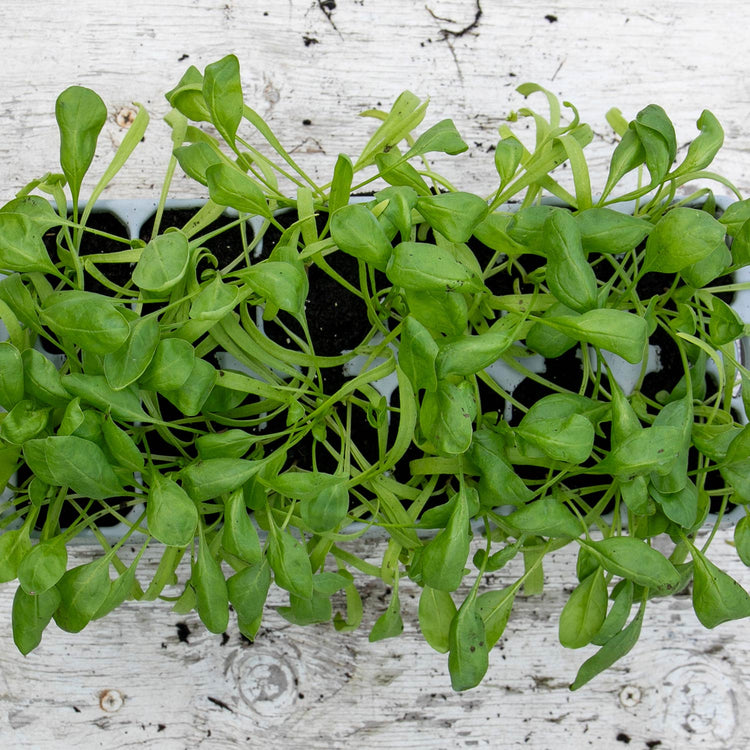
{"x":128,"y":681}
{"x":596,"y":54}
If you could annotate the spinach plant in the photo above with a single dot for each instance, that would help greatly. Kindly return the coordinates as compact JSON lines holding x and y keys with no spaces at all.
{"x":196,"y":404}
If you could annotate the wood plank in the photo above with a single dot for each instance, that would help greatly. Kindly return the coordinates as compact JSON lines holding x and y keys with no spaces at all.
{"x":129,"y":681}
{"x":301,"y":62}
{"x":147,"y":675}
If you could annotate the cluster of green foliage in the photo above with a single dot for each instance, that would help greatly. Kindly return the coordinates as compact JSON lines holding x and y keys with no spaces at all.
{"x":89,"y":435}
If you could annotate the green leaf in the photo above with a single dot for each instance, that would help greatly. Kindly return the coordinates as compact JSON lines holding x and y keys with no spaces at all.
{"x":681,"y":237}
{"x":436,"y":612}
{"x":584,"y":612}
{"x":222,"y":92}
{"x":569,"y":438}
{"x":91,"y":321}
{"x":618,"y":613}
{"x":426,"y":267}
{"x":469,"y":354}
{"x":229,"y":186}
{"x":498,"y":482}
{"x":328,"y":509}
{"x":546,"y":516}
{"x":124,"y":587}
{"x":613,"y":650}
{"x":171,"y":514}
{"x":70,"y":461}
{"x":398,"y":173}
{"x":239,"y":536}
{"x":442,"y":312}
{"x":610,"y":232}
{"x":42,"y":379}
{"x":705,"y":146}
{"x":547,"y":341}
{"x":170,"y":367}
{"x":617,"y":331}
{"x":233,"y":443}
{"x":11,"y":375}
{"x":717,"y":597}
{"x":196,"y":159}
{"x":187,"y":96}
{"x":316,"y":609}
{"x":742,"y":539}
{"x":207,"y":479}
{"x":389,"y":624}
{"x":444,"y":558}
{"x":725,"y":326}
{"x":125,"y":365}
{"x":328,"y":582}
{"x":715,"y":264}
{"x":441,"y":137}
{"x":651,"y":449}
{"x":735,"y":216}
{"x":95,"y":390}
{"x":396,"y":216}
{"x":23,"y":422}
{"x":341,"y":184}
{"x":290,"y":564}
{"x":568,"y":275}
{"x":30,"y":616}
{"x":468,"y":660}
{"x":80,"y":114}
{"x":21,"y":246}
{"x":212,"y":597}
{"x":495,"y":608}
{"x":633,"y":559}
{"x":656,"y":134}
{"x":14,"y":546}
{"x":163,"y":262}
{"x":282,"y":284}
{"x":248,"y":590}
{"x":508,"y":155}
{"x":446,"y":417}
{"x":680,"y":506}
{"x":83,"y":590}
{"x":214,"y":301}
{"x":417,"y":354}
{"x":357,"y":232}
{"x":190,"y":397}
{"x":121,"y":446}
{"x":454,"y":215}
{"x":43,"y":566}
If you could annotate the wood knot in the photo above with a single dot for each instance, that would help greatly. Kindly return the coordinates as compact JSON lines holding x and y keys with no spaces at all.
{"x":268,"y":684}
{"x":111,"y":700}
{"x":125,"y":117}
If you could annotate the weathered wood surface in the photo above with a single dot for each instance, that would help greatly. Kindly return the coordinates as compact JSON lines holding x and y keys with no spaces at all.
{"x":303,"y":60}
{"x":129,"y":681}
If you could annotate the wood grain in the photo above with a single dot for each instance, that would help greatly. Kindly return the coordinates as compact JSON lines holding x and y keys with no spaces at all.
{"x":129,"y":681}
{"x":301,"y":62}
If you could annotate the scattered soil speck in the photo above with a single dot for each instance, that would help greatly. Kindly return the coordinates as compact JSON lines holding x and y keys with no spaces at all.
{"x":161,"y":727}
{"x":183,"y":631}
{"x":224,"y":639}
{"x":76,"y":709}
{"x":220,"y":704}
{"x":622,"y":737}
{"x":306,"y":121}
{"x":183,"y":57}
{"x":308,"y":40}
{"x":551,"y":18}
